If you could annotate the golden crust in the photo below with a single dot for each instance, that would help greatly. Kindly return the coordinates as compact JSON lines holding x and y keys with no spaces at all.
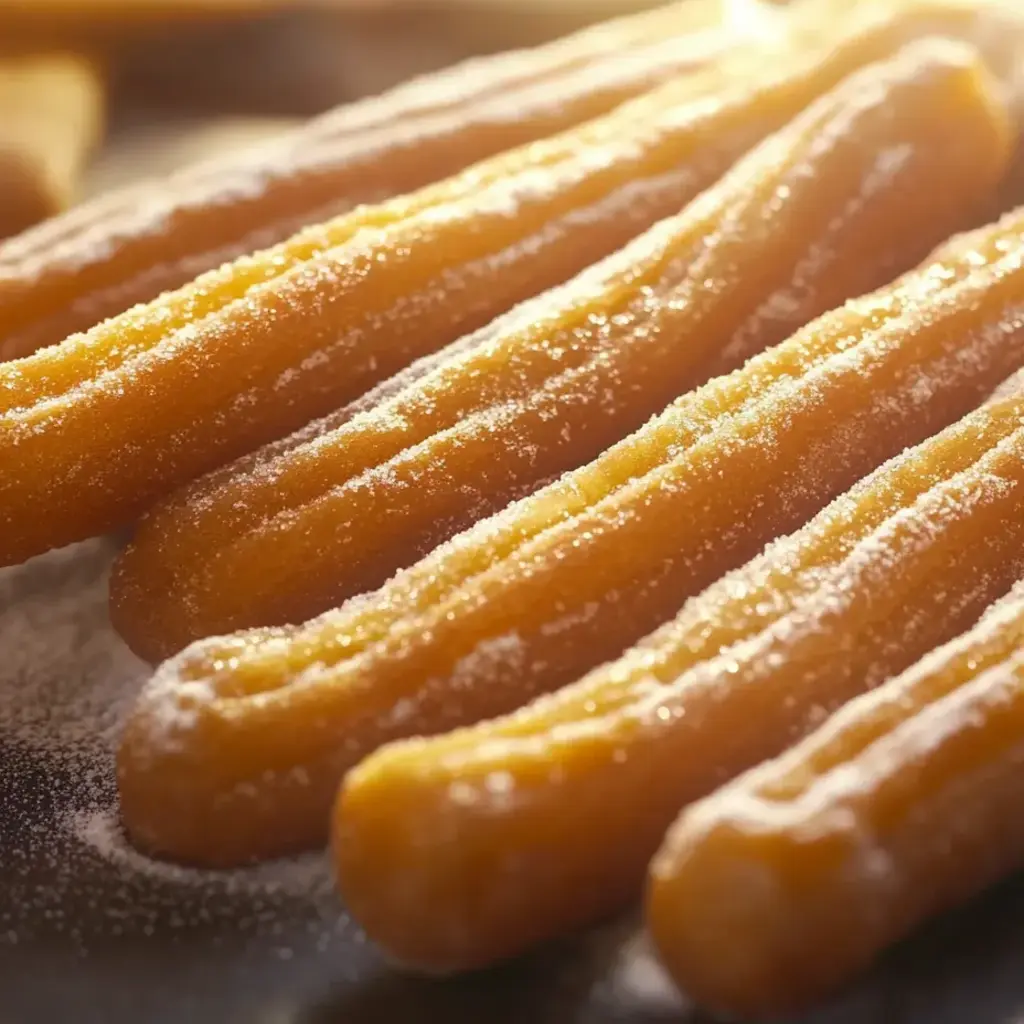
{"x":121,"y":249}
{"x":236,"y":747}
{"x":576,"y":790}
{"x":787,"y":883}
{"x":861,"y":185}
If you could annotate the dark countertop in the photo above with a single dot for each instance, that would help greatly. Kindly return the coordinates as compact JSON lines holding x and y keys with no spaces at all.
{"x":84,"y":938}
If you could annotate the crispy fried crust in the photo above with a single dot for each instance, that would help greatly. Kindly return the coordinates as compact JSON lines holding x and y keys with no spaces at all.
{"x":462,"y":850}
{"x":237,"y":745}
{"x":128,"y":247}
{"x":784,"y":885}
{"x":861,"y":185}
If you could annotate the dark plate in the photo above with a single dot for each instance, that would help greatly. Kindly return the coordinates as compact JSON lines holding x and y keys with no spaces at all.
{"x":91,"y":936}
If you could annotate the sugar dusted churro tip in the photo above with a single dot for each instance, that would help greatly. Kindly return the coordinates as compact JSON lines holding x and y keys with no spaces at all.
{"x":706,"y":894}
{"x":181,"y":742}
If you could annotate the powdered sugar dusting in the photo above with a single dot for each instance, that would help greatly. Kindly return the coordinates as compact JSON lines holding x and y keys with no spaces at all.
{"x":66,"y":684}
{"x":100,"y":831}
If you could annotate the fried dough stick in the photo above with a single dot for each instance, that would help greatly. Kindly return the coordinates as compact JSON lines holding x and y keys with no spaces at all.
{"x":128,"y":247}
{"x":787,"y":883}
{"x":95,"y":429}
{"x":237,"y":745}
{"x":861,"y":185}
{"x":468,"y":848}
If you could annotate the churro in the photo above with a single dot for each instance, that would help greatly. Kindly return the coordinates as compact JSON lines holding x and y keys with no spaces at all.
{"x":860,"y":186}
{"x":99,"y":427}
{"x":118,"y":250}
{"x":468,"y":848}
{"x":51,"y":115}
{"x":787,"y":883}
{"x":237,"y":745}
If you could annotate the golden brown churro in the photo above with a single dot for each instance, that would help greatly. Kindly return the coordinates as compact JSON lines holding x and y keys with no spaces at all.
{"x":787,"y":883}
{"x":97,"y":428}
{"x":468,"y":848}
{"x":51,"y":115}
{"x":861,"y":185}
{"x":237,"y":745}
{"x":115,"y":251}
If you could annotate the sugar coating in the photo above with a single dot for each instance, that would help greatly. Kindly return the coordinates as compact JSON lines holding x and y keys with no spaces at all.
{"x":440,"y":121}
{"x":899,"y":807}
{"x":555,"y":512}
{"x":581,"y":785}
{"x":656,"y":518}
{"x":251,"y":351}
{"x":562,"y":376}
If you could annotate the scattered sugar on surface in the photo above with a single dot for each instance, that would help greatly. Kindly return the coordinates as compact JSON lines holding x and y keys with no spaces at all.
{"x":640,"y":982}
{"x":99,"y":830}
{"x":66,"y":683}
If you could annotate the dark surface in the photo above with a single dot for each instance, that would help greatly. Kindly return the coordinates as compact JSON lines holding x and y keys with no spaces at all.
{"x":970,"y":969}
{"x":84,"y":940}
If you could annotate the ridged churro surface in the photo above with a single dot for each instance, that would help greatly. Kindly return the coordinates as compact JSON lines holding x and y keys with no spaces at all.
{"x":237,"y":745}
{"x":787,"y":883}
{"x":51,"y":115}
{"x":97,"y":428}
{"x":128,"y":247}
{"x":862,"y":184}
{"x":465,"y":849}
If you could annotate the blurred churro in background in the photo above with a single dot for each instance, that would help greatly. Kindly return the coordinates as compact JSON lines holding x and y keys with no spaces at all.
{"x":51,"y":115}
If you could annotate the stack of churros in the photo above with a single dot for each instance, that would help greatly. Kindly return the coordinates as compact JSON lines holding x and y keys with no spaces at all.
{"x":462,"y":849}
{"x":259,"y":347}
{"x":256,"y":728}
{"x":788,"y":233}
{"x":109,"y":254}
{"x":609,"y":472}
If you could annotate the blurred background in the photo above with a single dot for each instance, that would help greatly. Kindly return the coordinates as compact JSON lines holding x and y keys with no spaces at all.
{"x":100,"y":93}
